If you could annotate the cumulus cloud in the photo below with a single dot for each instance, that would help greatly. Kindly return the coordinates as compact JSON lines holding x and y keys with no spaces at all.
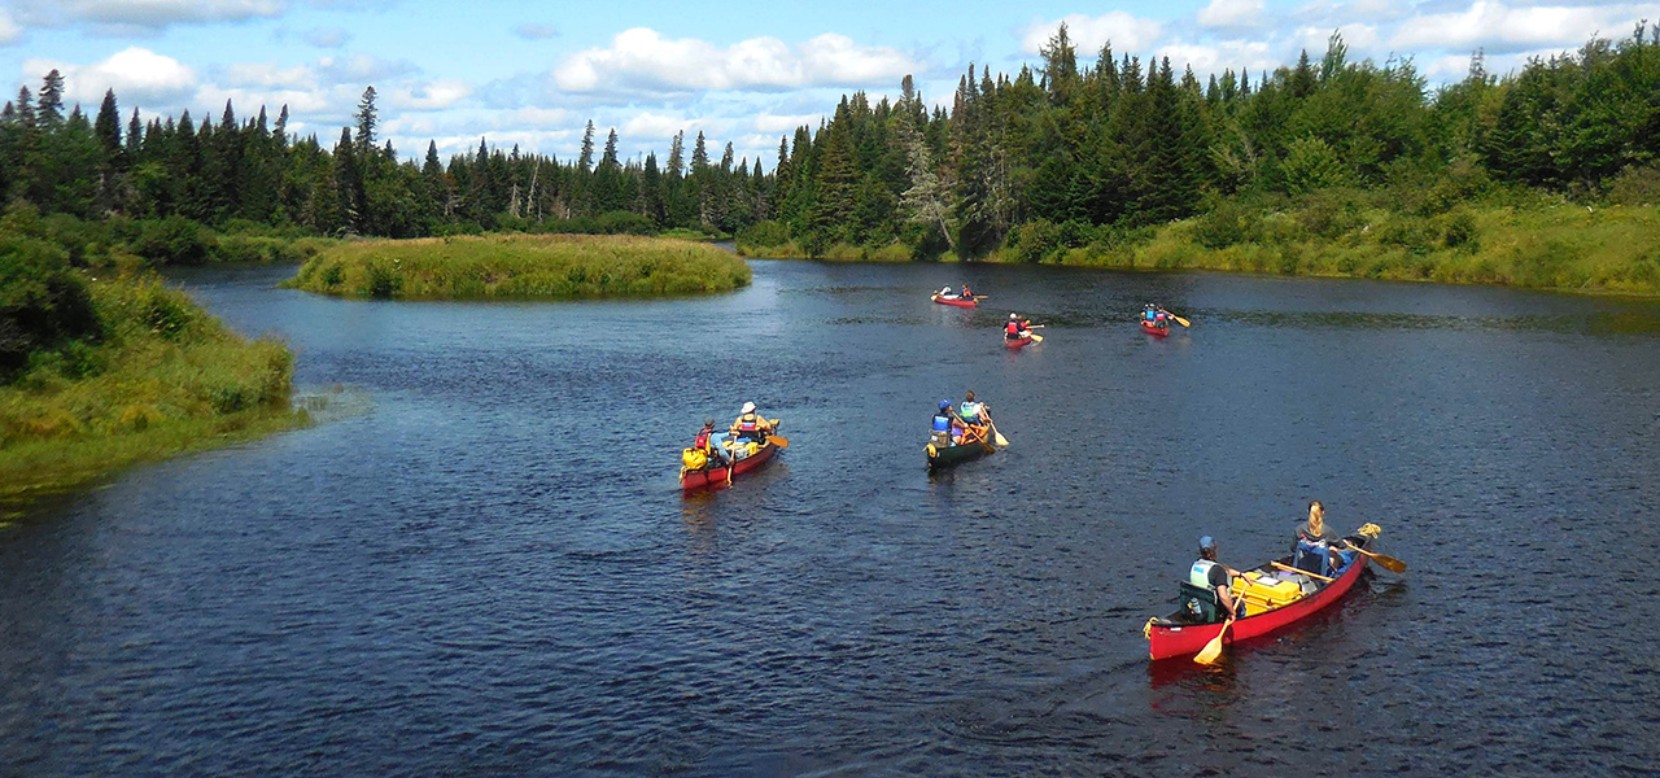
{"x":536,"y":32}
{"x":1232,"y":13}
{"x":136,"y":75}
{"x":785,"y":124}
{"x":9,"y":30}
{"x":1208,"y":58}
{"x":362,"y":68}
{"x":1127,"y":33}
{"x":660,"y":127}
{"x":642,"y":59}
{"x":1502,"y":28}
{"x":426,"y":97}
{"x":267,"y":76}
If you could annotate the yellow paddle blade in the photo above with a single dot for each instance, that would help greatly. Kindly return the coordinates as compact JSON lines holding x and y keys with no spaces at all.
{"x":1036,"y":338}
{"x":779,"y":441}
{"x":1181,"y":321}
{"x":1212,"y":650}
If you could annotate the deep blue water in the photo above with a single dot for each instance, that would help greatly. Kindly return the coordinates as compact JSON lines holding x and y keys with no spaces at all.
{"x":479,"y":561}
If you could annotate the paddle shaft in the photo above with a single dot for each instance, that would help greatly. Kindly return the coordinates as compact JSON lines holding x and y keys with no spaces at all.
{"x":1388,"y":562}
{"x":1290,"y":569}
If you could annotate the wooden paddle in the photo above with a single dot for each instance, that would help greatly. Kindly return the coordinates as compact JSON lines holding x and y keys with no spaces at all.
{"x":996,"y":437}
{"x":1392,"y":564}
{"x":779,"y":441}
{"x":1036,"y":338}
{"x":1299,"y":570}
{"x":1179,"y":320}
{"x":1213,"y":650}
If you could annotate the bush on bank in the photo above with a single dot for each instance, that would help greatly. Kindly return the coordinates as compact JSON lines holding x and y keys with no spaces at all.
{"x":100,"y":369}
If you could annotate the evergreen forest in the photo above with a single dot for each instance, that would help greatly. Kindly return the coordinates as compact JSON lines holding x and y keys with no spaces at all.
{"x":1074,"y":150}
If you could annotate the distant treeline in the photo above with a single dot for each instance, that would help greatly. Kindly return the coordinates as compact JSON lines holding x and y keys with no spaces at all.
{"x":1078,"y":150}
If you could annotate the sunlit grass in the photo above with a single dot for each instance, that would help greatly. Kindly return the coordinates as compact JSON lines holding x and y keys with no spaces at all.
{"x":165,"y":377}
{"x":522,"y":267}
{"x":1563,"y":247}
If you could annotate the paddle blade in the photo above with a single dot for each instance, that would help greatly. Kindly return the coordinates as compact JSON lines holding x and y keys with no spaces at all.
{"x":779,"y":441}
{"x":1181,"y":321}
{"x":1212,"y":650}
{"x":1392,"y":564}
{"x":998,"y":438}
{"x":1036,"y":338}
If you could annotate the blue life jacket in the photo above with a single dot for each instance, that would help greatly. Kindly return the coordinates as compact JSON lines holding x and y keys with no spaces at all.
{"x":942,"y":423}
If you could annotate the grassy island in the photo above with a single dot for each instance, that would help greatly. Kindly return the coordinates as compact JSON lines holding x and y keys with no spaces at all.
{"x":101,"y":368}
{"x":521,"y":267}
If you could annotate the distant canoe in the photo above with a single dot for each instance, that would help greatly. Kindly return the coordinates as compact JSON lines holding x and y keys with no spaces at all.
{"x":1020,"y":342}
{"x":1154,"y":329}
{"x":960,"y":302}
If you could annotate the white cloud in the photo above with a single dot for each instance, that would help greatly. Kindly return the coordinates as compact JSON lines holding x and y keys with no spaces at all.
{"x":1232,"y":13}
{"x":1358,"y":37}
{"x":660,"y":127}
{"x":426,"y":97}
{"x":9,"y":30}
{"x":266,"y":75}
{"x":137,"y":75}
{"x":156,"y":14}
{"x":362,"y":69}
{"x":777,"y":124}
{"x":1500,"y":27}
{"x":1213,"y":58}
{"x":1127,"y":33}
{"x":642,"y":59}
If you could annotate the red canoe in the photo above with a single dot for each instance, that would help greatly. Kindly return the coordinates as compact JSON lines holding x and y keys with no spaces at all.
{"x":1177,"y":635}
{"x":1017,"y":342}
{"x":957,"y":301}
{"x":1154,"y":329}
{"x":705,"y":477}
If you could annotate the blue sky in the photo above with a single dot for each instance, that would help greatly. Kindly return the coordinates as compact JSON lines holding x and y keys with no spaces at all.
{"x":742,"y":72}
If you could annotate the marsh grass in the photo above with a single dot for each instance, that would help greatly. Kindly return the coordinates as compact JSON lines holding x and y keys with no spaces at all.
{"x":163,"y":378}
{"x":521,"y":267}
{"x":1564,"y":247}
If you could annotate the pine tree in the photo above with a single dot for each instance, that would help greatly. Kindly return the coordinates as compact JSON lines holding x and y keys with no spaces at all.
{"x":367,"y":120}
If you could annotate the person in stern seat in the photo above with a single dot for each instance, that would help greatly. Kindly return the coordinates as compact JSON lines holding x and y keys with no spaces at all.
{"x":1216,"y":579}
{"x":947,"y":428}
{"x":709,"y":442}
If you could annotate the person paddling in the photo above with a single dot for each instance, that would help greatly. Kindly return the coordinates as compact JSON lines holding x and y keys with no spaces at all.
{"x":1215,"y":577}
{"x":751,"y":425}
{"x":1017,"y":328}
{"x":1311,"y":549}
{"x":708,"y":441}
{"x":946,"y":425}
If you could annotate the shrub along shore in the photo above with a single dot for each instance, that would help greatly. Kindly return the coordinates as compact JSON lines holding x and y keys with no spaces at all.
{"x":1558,"y":246}
{"x":143,"y":374}
{"x":521,"y":267}
{"x":101,"y":365}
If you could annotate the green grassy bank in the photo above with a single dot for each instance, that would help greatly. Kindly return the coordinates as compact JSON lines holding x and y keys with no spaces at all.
{"x":150,"y":376}
{"x":1554,"y":245}
{"x":521,"y":267}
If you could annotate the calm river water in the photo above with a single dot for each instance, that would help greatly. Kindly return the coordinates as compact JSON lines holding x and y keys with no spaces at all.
{"x":488,"y":568}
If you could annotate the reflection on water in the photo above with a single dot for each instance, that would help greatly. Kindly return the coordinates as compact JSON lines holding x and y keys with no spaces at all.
{"x":481,"y":561}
